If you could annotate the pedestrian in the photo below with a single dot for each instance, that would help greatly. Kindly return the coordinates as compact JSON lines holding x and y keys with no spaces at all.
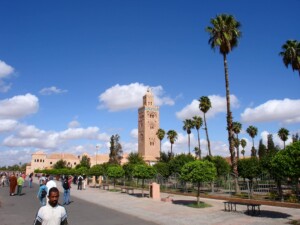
{"x":84,"y":181}
{"x":80,"y":179}
{"x":3,"y":179}
{"x":42,"y":194}
{"x":66,"y":188}
{"x":30,"y":180}
{"x":50,"y":183}
{"x":53,"y":213}
{"x":23,"y":175}
{"x":20,"y":182}
{"x":12,"y":184}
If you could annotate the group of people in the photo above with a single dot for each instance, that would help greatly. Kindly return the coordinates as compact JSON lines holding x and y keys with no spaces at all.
{"x":16,"y":181}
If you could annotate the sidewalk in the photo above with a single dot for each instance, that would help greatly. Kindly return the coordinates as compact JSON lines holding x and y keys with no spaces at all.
{"x":169,"y":213}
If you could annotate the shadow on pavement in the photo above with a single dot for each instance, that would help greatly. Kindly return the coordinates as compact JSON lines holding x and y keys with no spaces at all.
{"x":274,"y":215}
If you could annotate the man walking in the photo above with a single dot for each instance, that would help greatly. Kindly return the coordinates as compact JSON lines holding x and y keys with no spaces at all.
{"x":20,"y":182}
{"x":52,"y":213}
{"x":12,"y":184}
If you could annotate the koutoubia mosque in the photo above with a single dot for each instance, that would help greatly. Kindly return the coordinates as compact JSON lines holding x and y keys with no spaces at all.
{"x":148,"y":142}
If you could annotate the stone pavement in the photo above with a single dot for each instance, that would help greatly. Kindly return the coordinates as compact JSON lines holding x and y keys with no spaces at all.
{"x":169,"y":213}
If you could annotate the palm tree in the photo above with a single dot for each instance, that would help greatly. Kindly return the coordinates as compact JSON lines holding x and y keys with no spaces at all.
{"x":236,"y":128}
{"x":197,"y":121}
{"x":204,"y":106}
{"x":160,"y":134}
{"x":243,"y":144}
{"x":225,"y":34}
{"x":291,"y":54}
{"x":172,"y":136}
{"x":252,"y":131}
{"x":283,"y":134}
{"x":188,"y":126}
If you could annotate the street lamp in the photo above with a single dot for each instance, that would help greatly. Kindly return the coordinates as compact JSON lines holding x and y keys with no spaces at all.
{"x":97,"y":147}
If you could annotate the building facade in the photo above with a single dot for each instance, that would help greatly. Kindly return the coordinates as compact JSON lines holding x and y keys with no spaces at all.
{"x":148,"y":125}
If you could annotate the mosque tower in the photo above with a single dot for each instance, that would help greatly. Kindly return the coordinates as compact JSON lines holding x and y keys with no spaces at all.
{"x":148,"y":125}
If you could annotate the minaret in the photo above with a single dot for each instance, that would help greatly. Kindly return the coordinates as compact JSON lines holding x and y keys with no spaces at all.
{"x":148,"y":125}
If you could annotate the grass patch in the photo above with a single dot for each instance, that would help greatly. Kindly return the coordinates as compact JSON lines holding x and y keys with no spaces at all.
{"x":114,"y":190}
{"x":295,"y":222}
{"x":201,"y":205}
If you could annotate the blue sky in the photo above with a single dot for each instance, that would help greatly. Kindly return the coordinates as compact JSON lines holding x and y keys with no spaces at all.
{"x":73,"y":73}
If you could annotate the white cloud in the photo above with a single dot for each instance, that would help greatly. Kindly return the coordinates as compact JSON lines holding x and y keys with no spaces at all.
{"x":7,"y":125}
{"x":73,"y":124}
{"x":52,"y":90}
{"x":18,"y":106}
{"x":79,"y":133}
{"x":122,"y":97}
{"x":4,"y":87}
{"x":15,"y":156}
{"x":134,"y":133}
{"x":218,"y":106}
{"x":284,"y":111}
{"x":30,"y":136}
{"x":5,"y":70}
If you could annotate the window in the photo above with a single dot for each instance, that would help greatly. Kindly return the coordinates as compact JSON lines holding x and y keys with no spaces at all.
{"x":74,"y":163}
{"x":37,"y":160}
{"x":50,"y":163}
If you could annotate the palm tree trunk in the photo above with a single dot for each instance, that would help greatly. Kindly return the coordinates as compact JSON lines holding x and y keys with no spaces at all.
{"x":199,"y":143}
{"x":238,"y":148}
{"x":189,"y":145}
{"x":229,"y":129}
{"x":207,"y":138}
{"x":198,"y":194}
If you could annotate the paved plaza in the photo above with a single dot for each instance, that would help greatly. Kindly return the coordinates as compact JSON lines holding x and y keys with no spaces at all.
{"x":97,"y":206}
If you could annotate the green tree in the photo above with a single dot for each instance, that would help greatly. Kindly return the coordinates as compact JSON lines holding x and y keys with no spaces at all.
{"x":188,"y":126}
{"x":252,"y":131}
{"x":283,"y":134}
{"x":60,"y":164}
{"x":222,"y":166}
{"x":198,"y":171}
{"x":295,"y":138}
{"x":172,"y":136}
{"x":197,"y":152}
{"x":250,"y":169}
{"x":236,"y":128}
{"x":270,"y":144}
{"x":133,"y":160}
{"x":114,"y":172}
{"x":204,"y":106}
{"x":197,"y":122}
{"x":85,"y":161}
{"x":97,"y":170}
{"x":143,"y":172}
{"x":291,"y":54}
{"x":162,"y":169}
{"x":161,"y":135}
{"x":262,"y":149}
{"x":178,"y":162}
{"x":243,"y":144}
{"x":116,"y":152}
{"x":224,"y":34}
{"x":164,"y":157}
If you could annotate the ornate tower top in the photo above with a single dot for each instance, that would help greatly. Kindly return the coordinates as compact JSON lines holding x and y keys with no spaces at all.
{"x":148,"y":99}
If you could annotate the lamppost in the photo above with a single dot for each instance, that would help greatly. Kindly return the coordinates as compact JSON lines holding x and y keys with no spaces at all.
{"x":97,"y":147}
